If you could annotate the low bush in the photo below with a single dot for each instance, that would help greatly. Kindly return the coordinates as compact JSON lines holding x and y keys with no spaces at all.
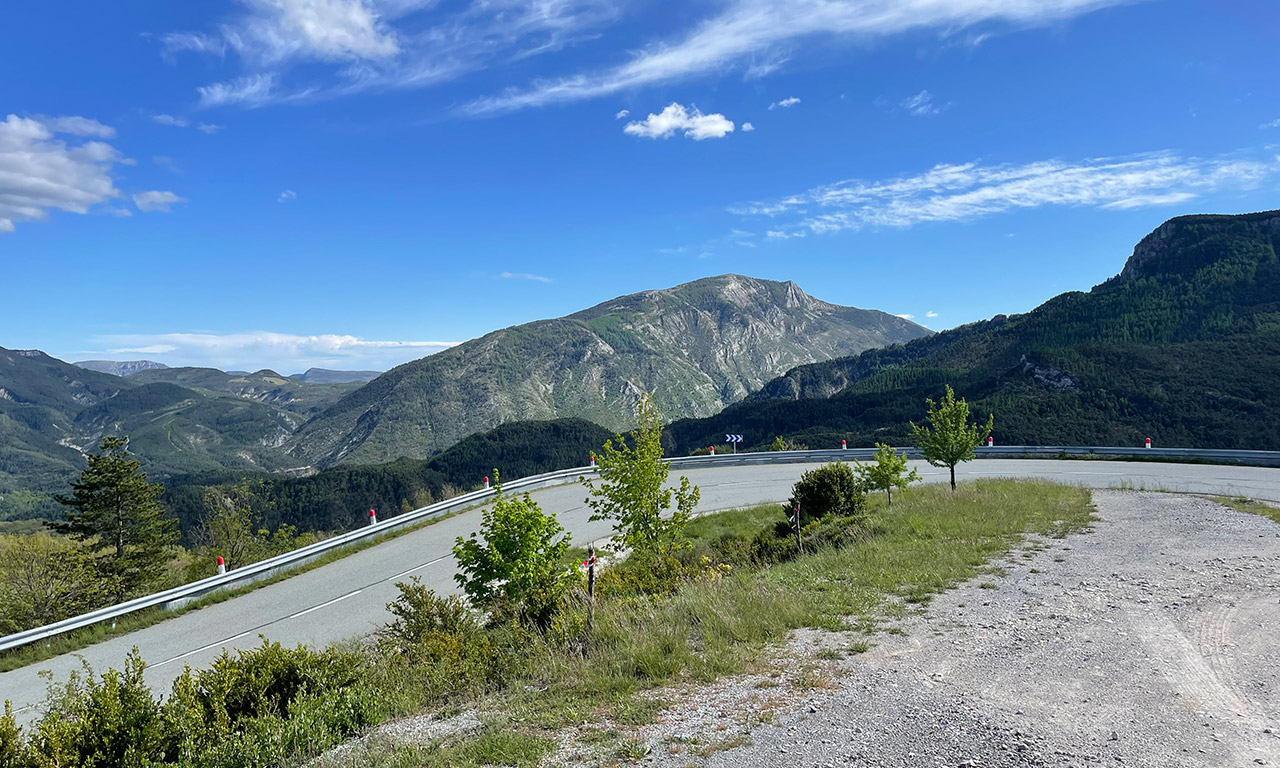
{"x":832,"y":489}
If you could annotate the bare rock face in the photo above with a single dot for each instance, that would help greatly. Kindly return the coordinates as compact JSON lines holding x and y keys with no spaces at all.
{"x":1180,"y":244}
{"x":697,"y":347}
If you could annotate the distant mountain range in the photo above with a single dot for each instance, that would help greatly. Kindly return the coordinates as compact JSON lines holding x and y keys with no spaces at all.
{"x":697,"y":347}
{"x":119,"y":368}
{"x":1182,"y":346}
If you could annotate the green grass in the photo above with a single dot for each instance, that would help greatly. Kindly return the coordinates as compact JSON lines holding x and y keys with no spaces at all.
{"x":930,"y":540}
{"x":75,"y":640}
{"x":1249,"y":506}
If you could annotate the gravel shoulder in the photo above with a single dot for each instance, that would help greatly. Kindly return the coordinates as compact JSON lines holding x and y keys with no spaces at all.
{"x":1149,"y":642}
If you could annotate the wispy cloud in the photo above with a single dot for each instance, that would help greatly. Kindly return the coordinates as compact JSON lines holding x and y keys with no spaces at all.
{"x":344,"y":47}
{"x":920,"y":105}
{"x":906,"y":316}
{"x":1273,"y":124}
{"x":523,"y":276}
{"x":286,"y":196}
{"x":748,"y":30}
{"x":166,"y":162}
{"x":790,"y":101}
{"x":971,"y":190}
{"x":675,"y":118}
{"x":621,"y":114}
{"x":171,"y":120}
{"x":156,"y":200}
{"x":208,"y":129}
{"x":748,"y":127}
{"x":42,"y":171}
{"x":253,"y":350}
{"x":930,"y":314}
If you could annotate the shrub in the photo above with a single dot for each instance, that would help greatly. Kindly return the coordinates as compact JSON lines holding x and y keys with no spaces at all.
{"x":831,"y":489}
{"x":13,"y":748}
{"x":107,"y":722}
{"x":645,"y":573}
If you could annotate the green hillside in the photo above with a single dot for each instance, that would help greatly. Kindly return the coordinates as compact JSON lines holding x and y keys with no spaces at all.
{"x":1182,"y":346}
{"x":265,"y":386}
{"x":697,"y":347}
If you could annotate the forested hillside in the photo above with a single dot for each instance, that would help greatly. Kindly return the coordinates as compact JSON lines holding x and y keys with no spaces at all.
{"x":1182,"y":346}
{"x":339,"y":498}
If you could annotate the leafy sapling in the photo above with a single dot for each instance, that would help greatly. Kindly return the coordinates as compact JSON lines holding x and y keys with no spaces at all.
{"x":888,"y":471}
{"x":949,"y":438}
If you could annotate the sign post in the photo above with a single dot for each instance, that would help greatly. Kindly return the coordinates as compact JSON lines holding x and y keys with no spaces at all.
{"x":590,"y":562}
{"x":795,"y":521}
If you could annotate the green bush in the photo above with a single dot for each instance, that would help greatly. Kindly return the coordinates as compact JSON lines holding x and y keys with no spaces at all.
{"x":832,"y":489}
{"x":645,"y":573}
{"x":13,"y":748}
{"x":108,"y":722}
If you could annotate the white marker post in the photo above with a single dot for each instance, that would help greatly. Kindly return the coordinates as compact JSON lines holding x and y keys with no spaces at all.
{"x":844,"y":445}
{"x":1148,"y":442}
{"x":713,"y":450}
{"x":593,"y":461}
{"x":373,"y":517}
{"x":991,"y":442}
{"x":222,"y":565}
{"x":486,"y":482}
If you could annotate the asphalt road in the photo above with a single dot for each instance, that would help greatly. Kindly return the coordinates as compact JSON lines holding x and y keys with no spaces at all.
{"x":347,"y":598}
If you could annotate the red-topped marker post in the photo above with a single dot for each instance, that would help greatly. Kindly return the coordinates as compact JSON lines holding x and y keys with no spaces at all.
{"x":1148,"y":442}
{"x":373,"y":517}
{"x":486,"y":482}
{"x":713,"y":450}
{"x":222,"y":565}
{"x":844,"y":445}
{"x":991,"y":442}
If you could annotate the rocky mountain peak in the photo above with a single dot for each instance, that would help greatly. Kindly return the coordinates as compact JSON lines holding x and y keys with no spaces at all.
{"x":1185,"y":244}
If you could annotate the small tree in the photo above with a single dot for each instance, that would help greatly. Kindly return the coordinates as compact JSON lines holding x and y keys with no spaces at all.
{"x":950,"y":438}
{"x":43,"y":579}
{"x":515,"y":558}
{"x":632,"y":490}
{"x":118,"y":513}
{"x":233,"y":524}
{"x":887,"y":472}
{"x":831,"y":489}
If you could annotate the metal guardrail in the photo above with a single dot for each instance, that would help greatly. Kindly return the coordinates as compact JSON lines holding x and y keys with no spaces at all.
{"x":265,"y":569}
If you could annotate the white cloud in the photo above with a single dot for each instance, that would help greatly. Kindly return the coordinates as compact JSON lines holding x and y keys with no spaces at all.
{"x":751,"y":28}
{"x":967,"y":191}
{"x":930,"y":314}
{"x":156,"y":200}
{"x":77,"y":126}
{"x":250,"y":91}
{"x":40,"y":172}
{"x":675,"y":117}
{"x":787,"y":102}
{"x":286,"y":196}
{"x":906,"y":316}
{"x":1272,"y":124}
{"x":167,"y":163}
{"x":621,"y":114}
{"x":354,"y":46}
{"x":171,"y":120}
{"x":920,"y":105}
{"x":285,"y":353}
{"x":523,"y":276}
{"x":748,"y":127}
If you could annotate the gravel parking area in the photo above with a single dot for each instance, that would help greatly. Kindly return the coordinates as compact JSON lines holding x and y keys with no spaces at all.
{"x":1151,"y":641}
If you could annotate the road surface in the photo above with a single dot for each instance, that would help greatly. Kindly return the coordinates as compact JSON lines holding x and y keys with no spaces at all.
{"x":348,"y":598}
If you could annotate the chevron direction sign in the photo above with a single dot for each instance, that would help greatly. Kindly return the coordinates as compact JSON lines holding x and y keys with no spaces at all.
{"x":733,"y":438}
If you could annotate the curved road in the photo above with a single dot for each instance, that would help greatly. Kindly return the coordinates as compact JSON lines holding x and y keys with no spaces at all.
{"x":347,"y":598}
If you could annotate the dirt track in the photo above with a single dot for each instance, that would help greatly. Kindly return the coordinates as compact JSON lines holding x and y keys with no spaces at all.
{"x":1152,"y":641}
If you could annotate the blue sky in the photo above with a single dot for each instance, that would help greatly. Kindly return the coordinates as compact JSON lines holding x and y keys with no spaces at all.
{"x":353,"y":183}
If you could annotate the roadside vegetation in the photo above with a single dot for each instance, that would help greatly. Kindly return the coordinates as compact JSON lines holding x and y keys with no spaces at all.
{"x":532,"y":654}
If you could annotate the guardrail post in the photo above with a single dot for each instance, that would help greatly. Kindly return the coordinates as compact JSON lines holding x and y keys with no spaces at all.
{"x":222,"y":565}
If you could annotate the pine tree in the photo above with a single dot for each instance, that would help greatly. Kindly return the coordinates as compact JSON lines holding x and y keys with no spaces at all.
{"x":116,"y":512}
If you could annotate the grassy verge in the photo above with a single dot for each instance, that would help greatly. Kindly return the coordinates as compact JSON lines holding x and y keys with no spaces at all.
{"x":1250,"y":506}
{"x":930,"y":540}
{"x":70,"y":642}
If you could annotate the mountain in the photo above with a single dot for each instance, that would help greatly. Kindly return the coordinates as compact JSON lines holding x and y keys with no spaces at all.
{"x":265,"y":386}
{"x":327,"y":376}
{"x":1182,"y":346}
{"x":698,"y":347}
{"x":52,"y":411}
{"x":119,"y":368}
